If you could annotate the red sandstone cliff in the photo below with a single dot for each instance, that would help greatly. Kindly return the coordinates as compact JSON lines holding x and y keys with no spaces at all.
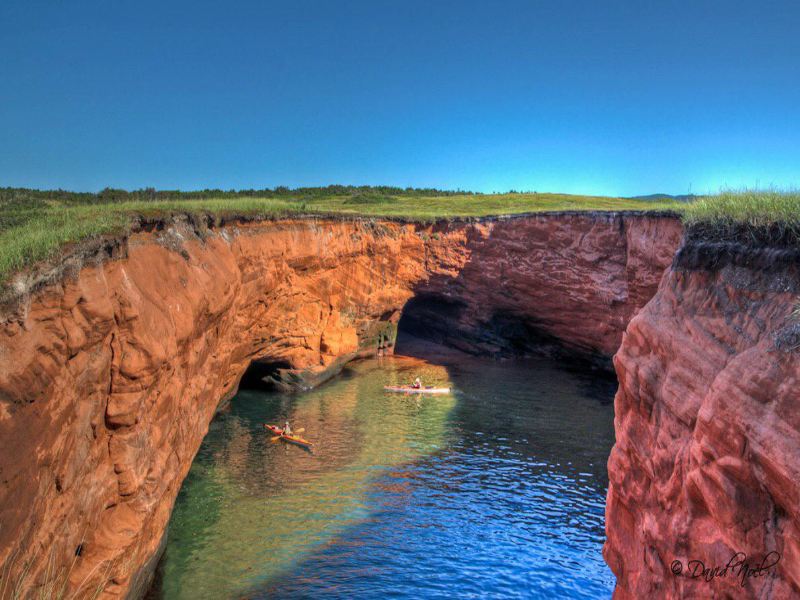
{"x":707,"y":456}
{"x":109,"y":379}
{"x":576,"y":280}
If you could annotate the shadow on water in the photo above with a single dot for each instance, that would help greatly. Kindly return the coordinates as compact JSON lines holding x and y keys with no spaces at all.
{"x":497,"y":489}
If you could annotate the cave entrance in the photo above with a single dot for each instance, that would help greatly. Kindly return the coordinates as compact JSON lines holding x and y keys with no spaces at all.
{"x":262,"y":374}
{"x":438,"y":319}
{"x":430,"y":318}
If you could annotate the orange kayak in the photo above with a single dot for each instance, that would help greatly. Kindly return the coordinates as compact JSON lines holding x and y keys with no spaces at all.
{"x":295,"y":439}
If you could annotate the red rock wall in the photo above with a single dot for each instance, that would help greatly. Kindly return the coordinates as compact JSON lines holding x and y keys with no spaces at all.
{"x":108,"y":380}
{"x":577,"y":279}
{"x":707,"y":456}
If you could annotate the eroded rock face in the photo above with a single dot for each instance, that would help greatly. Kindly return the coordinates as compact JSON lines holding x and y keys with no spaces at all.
{"x":574,"y":281}
{"x":707,"y":456}
{"x":108,"y":380}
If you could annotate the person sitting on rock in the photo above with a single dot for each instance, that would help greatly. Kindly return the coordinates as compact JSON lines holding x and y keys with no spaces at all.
{"x":417,"y":384}
{"x":286,"y":429}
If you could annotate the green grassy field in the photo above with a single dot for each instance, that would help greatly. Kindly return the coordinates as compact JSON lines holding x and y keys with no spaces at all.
{"x":36,"y":226}
{"x":482,"y":204}
{"x":34,"y":229}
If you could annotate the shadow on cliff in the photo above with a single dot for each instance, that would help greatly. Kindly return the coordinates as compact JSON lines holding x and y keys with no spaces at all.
{"x":561,"y":288}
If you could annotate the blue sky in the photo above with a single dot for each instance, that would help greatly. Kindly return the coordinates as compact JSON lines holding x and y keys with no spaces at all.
{"x":612,"y":97}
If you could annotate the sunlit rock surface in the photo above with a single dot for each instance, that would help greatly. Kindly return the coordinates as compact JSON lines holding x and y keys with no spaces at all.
{"x":109,"y":378}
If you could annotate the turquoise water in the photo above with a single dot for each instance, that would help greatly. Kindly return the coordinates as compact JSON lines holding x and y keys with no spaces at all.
{"x":495,"y":490}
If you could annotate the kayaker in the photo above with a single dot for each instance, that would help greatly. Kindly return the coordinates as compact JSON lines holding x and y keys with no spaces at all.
{"x":417,"y":384}
{"x":286,"y":429}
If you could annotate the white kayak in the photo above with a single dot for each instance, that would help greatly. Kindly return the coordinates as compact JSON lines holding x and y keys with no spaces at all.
{"x":413,"y":390}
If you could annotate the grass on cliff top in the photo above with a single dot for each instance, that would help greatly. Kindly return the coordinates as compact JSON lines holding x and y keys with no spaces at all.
{"x":753,"y":208}
{"x":35,"y":228}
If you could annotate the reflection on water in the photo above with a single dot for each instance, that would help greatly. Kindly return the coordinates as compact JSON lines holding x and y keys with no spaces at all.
{"x":496,"y":489}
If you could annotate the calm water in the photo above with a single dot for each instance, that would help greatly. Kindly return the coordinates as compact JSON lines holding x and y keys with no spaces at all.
{"x":495,"y":490}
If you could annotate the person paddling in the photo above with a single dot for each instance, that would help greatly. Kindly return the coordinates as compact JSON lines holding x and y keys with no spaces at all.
{"x":286,"y":429}
{"x":417,"y":384}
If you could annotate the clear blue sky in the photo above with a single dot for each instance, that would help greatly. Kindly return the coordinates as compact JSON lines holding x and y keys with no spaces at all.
{"x":611,"y":97}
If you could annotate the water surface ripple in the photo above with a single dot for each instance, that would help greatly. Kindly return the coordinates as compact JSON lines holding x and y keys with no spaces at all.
{"x":496,"y":490}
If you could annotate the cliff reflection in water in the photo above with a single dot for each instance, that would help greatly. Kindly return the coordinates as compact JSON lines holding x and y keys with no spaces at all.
{"x":497,"y":488}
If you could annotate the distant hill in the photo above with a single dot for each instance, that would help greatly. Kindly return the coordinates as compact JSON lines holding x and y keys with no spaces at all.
{"x":654,"y":197}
